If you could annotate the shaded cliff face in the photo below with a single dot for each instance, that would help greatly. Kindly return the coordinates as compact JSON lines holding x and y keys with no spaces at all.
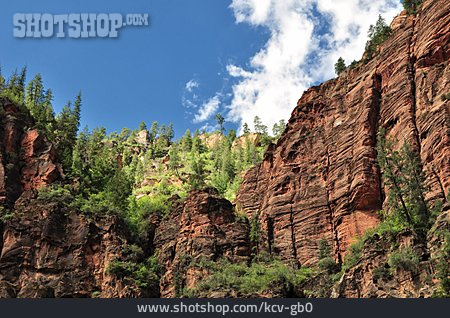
{"x":62,"y":254}
{"x":27,"y":160}
{"x":321,"y":178}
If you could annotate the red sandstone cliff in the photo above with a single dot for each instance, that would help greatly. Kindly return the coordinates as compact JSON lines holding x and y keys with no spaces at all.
{"x":27,"y":159}
{"x":321,"y":178}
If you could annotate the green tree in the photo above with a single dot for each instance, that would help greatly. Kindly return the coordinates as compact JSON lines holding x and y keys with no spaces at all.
{"x":278,"y":128}
{"x":220,"y":121}
{"x":175,"y":160}
{"x":197,"y":174}
{"x":260,"y":128}
{"x":378,"y":33}
{"x":245,"y":129}
{"x":187,"y":141}
{"x":403,"y":175}
{"x":411,"y":6}
{"x":39,"y":103}
{"x":142,"y":126}
{"x":154,"y":130}
{"x":67,"y":124}
{"x":197,"y":143}
{"x":231,"y":135}
{"x":340,"y":66}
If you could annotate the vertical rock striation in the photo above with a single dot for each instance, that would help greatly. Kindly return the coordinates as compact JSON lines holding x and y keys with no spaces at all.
{"x":321,"y":178}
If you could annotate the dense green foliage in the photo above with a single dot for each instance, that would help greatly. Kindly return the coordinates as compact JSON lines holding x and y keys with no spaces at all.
{"x":145,"y":273}
{"x":405,"y":259}
{"x":264,"y":274}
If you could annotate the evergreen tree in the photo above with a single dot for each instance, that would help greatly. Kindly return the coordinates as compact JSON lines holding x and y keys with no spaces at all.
{"x":340,"y":66}
{"x":154,"y":130}
{"x":260,"y":128}
{"x":231,"y":135}
{"x":278,"y":128}
{"x":197,"y":172}
{"x":187,"y":141}
{"x":220,"y":121}
{"x":67,"y":124}
{"x":175,"y":160}
{"x":170,"y":133}
{"x":377,"y":35}
{"x":403,"y":175}
{"x":197,"y":143}
{"x":245,"y":129}
{"x":142,"y":126}
{"x":125,"y":134}
{"x":38,"y":101}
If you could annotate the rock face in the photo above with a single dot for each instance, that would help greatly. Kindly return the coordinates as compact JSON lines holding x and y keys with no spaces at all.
{"x":202,"y":227}
{"x":371,"y":276}
{"x":62,"y":254}
{"x":27,"y":159}
{"x":321,"y":178}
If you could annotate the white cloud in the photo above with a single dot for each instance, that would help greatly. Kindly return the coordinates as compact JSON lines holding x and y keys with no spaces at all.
{"x":191,"y":85}
{"x":277,"y":75}
{"x":208,"y":109}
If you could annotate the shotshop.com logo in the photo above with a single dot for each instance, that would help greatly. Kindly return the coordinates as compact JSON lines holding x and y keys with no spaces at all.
{"x":74,"y":25}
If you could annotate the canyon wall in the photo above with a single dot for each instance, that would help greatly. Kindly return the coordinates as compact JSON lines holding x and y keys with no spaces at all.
{"x":321,"y":178}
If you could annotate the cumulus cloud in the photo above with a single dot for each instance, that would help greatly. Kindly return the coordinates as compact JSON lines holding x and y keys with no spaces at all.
{"x":207,"y":109}
{"x":306,"y":38}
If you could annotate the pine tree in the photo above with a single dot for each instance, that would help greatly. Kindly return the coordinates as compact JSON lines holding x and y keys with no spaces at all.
{"x":340,"y":66}
{"x":197,"y":171}
{"x":260,"y":128}
{"x":220,"y":121}
{"x":278,"y":128}
{"x":187,"y":141}
{"x":142,"y":126}
{"x":245,"y":129}
{"x":377,"y":35}
{"x":39,"y":103}
{"x":67,"y":124}
{"x":154,"y":130}
{"x":403,"y":175}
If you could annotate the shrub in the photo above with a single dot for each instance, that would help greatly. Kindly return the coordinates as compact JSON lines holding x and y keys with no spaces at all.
{"x":445,"y":97}
{"x":56,"y":193}
{"x":381,"y":272}
{"x":145,"y":274}
{"x":262,"y":275}
{"x":405,"y":259}
{"x":411,"y":6}
{"x":442,"y":268}
{"x":354,"y":254}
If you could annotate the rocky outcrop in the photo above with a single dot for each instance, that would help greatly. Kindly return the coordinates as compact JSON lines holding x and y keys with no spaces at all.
{"x":203,"y":227}
{"x":373,"y":276}
{"x":50,"y":250}
{"x":321,"y":178}
{"x":27,"y":160}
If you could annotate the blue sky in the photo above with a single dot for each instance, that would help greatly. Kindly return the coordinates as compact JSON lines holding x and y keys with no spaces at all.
{"x":240,"y":57}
